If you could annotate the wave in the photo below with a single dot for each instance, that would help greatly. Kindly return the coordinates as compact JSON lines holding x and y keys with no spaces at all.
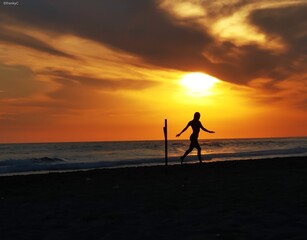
{"x":32,"y":164}
{"x":55,"y":164}
{"x":46,"y":160}
{"x":48,"y":164}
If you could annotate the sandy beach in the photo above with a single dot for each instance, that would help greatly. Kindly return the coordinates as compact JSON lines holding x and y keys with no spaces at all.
{"x":259,"y":199}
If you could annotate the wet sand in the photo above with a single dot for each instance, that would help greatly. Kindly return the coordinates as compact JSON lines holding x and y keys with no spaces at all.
{"x":260,"y":199}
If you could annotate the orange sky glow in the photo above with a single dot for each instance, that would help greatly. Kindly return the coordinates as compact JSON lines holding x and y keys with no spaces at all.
{"x":114,"y":70}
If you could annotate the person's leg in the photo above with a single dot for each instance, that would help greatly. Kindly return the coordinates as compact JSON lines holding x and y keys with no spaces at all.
{"x":187,"y":152}
{"x":198,"y":152}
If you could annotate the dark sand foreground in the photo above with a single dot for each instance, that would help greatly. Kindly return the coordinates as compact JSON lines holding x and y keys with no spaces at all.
{"x":262,"y":199}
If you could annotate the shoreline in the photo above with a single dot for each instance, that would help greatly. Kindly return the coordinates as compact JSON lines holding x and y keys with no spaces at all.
{"x":250,"y":199}
{"x":173,"y":161}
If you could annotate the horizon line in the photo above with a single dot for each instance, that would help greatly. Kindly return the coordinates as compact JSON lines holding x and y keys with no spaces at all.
{"x":148,"y":140}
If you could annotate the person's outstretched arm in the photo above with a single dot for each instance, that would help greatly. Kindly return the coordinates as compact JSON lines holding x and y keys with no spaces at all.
{"x":183,"y":129}
{"x":206,"y":130}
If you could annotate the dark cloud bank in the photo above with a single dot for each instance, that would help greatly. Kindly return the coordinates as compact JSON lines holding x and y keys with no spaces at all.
{"x":139,"y":27}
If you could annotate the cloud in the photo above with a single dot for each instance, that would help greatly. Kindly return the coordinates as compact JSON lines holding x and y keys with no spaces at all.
{"x":288,"y":22}
{"x":100,"y":84}
{"x":142,"y":28}
{"x":14,"y":37}
{"x":72,"y":95}
{"x":84,"y":92}
{"x":242,"y":63}
{"x":137,"y":26}
{"x":17,"y":81}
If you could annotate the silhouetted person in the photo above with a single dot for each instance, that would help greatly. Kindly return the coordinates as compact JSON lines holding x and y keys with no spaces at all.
{"x":196,"y":126}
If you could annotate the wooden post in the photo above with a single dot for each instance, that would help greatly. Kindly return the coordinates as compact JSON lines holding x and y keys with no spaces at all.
{"x":165,"y":137}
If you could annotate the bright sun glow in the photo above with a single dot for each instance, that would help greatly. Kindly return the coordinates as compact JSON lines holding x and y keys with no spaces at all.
{"x":198,"y":84}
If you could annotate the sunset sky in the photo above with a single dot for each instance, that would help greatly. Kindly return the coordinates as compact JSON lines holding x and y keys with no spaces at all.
{"x":73,"y":70}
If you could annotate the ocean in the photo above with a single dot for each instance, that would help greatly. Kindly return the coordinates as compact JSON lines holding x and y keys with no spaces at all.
{"x":48,"y":157}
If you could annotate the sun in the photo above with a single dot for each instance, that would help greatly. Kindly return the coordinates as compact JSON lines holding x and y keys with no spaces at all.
{"x":198,"y":84}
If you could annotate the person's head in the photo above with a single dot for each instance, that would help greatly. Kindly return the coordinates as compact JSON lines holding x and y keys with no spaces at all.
{"x":196,"y":116}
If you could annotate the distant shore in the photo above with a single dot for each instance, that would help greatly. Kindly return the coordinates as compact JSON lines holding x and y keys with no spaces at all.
{"x":257,"y":199}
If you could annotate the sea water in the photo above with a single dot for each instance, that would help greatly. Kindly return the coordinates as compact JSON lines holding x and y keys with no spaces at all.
{"x":48,"y":157}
